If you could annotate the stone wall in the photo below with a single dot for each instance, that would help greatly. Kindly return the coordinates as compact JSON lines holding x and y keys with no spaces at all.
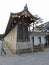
{"x":23,"y":45}
{"x":11,"y":38}
{"x":11,"y":41}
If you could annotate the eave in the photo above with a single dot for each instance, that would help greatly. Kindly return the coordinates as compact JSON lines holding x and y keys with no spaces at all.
{"x":14,"y":17}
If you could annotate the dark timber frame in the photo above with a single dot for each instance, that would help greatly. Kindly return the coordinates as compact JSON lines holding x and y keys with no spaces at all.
{"x":17,"y":18}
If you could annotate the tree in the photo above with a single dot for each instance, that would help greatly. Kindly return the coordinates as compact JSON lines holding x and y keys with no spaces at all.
{"x":40,"y":20}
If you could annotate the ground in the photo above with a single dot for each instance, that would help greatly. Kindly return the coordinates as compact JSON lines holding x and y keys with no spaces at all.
{"x":37,"y":58}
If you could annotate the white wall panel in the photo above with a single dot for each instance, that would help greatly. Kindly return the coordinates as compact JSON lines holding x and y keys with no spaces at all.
{"x":43,"y":40}
{"x":36,"y":40}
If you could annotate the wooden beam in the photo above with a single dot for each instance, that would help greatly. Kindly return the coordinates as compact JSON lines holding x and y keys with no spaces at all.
{"x":14,"y":21}
{"x":14,"y":16}
{"x":33,"y":19}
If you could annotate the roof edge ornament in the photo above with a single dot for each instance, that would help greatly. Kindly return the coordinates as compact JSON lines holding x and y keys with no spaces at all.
{"x":25,"y":7}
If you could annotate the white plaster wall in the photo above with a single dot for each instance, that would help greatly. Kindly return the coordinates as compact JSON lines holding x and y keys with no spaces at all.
{"x":36,"y":40}
{"x":11,"y":38}
{"x":43,"y":40}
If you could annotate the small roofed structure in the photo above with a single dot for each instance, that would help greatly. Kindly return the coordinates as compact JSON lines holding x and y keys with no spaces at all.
{"x":16,"y":34}
{"x":16,"y":17}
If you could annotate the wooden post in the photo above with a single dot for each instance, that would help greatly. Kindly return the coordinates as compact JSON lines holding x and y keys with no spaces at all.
{"x":31,"y":43}
{"x":1,"y":47}
{"x":33,"y":26}
{"x":29,"y":28}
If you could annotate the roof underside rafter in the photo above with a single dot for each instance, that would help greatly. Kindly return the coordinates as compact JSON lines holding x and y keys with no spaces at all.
{"x":15,"y":18}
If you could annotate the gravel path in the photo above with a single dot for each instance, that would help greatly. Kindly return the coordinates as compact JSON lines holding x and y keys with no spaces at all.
{"x":38,"y":58}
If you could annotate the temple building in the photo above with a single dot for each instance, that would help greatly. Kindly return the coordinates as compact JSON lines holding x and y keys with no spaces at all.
{"x":16,"y":35}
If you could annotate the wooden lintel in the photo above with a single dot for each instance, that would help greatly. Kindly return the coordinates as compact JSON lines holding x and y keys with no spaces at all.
{"x":14,"y":15}
{"x":33,"y":19}
{"x":19,"y":22}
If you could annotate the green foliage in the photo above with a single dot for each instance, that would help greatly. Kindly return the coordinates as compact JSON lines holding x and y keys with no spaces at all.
{"x":39,"y":27}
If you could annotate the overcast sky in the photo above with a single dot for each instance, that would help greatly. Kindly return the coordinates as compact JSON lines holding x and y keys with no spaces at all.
{"x":40,"y":7}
